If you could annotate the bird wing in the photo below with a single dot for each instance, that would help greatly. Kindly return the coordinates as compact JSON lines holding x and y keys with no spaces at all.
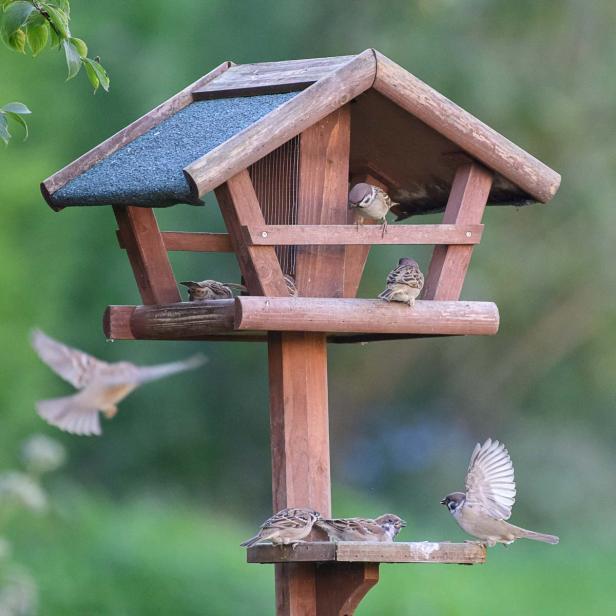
{"x":70,"y":414}
{"x":490,"y":484}
{"x":288,"y":518}
{"x":406,"y":274}
{"x":72,"y":365}
{"x":362,"y":526}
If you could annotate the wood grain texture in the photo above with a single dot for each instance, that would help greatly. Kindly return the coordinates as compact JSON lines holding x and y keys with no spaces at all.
{"x":466,"y":204}
{"x":352,"y":551}
{"x":269,"y":77}
{"x":197,"y":242}
{"x":324,"y":235}
{"x":342,"y":586}
{"x":277,"y":127}
{"x":116,"y":323}
{"x":147,"y":254}
{"x":365,"y":316}
{"x":323,"y":196}
{"x":259,"y":264}
{"x":472,"y":135}
{"x":128,"y":134}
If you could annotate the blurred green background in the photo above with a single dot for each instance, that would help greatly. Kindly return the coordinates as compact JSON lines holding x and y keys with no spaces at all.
{"x":147,"y":519}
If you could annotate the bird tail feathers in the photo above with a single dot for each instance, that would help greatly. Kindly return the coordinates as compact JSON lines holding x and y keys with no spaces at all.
{"x":387,"y":294}
{"x":250,"y":542}
{"x":69,"y":415}
{"x":544,"y":537}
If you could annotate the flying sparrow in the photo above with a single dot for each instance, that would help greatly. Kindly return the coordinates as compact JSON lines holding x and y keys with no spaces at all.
{"x":404,"y":283}
{"x":371,"y":202}
{"x":287,"y":527}
{"x":211,"y":289}
{"x":481,"y":511}
{"x":101,"y":385}
{"x":290,"y":282}
{"x":383,"y":528}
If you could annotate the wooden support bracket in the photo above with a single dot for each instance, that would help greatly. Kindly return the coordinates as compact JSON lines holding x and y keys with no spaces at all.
{"x":191,"y":242}
{"x":342,"y":586}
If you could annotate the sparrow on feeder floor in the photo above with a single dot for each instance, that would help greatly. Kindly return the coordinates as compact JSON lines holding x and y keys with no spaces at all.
{"x":383,"y":528}
{"x":102,"y":385}
{"x":481,"y":511}
{"x":287,"y":527}
{"x":371,"y":202}
{"x":211,"y":289}
{"x":404,"y":283}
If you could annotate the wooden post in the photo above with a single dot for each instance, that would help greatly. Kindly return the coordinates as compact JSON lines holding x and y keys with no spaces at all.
{"x":467,"y":201}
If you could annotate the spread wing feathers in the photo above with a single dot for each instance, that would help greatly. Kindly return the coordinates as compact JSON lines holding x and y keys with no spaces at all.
{"x":490,"y":481}
{"x":409,"y":275}
{"x":125,"y":372}
{"x":70,"y":415}
{"x":72,"y":365}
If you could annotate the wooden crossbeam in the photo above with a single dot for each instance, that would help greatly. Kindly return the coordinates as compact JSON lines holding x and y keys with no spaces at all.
{"x":325,"y":235}
{"x":186,"y":241}
{"x":147,"y":254}
{"x":467,"y":201}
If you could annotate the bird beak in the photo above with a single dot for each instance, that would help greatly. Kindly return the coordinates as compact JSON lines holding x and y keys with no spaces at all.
{"x":402,"y":523}
{"x":443,"y":501}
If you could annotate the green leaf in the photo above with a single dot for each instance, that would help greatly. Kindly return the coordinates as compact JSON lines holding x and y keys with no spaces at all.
{"x":91,"y":73}
{"x":17,"y":118}
{"x":80,"y":45}
{"x":18,"y":108}
{"x":11,"y":21}
{"x":100,"y":73}
{"x":64,"y":6}
{"x":73,"y":59}
{"x":4,"y":129}
{"x":59,"y":20}
{"x":37,"y":38}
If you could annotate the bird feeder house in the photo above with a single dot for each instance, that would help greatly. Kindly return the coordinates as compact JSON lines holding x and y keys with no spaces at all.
{"x":280,"y":144}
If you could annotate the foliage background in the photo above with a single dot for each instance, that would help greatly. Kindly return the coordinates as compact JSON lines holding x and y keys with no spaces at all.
{"x":148,"y":518}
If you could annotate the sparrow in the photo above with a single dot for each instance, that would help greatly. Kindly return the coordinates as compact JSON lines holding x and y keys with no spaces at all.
{"x":481,"y":511}
{"x":383,"y":528}
{"x":287,"y":527}
{"x":404,"y":283}
{"x":101,"y":385}
{"x":371,"y":202}
{"x":290,"y":282}
{"x":211,"y":289}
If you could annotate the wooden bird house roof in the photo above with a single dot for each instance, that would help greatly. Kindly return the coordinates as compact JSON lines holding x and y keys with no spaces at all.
{"x":402,"y":132}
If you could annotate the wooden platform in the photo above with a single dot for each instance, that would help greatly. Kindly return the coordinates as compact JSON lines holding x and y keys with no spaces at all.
{"x":361,"y":552}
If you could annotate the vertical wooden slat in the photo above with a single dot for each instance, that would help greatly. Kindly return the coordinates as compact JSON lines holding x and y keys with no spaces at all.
{"x":147,"y":254}
{"x":259,"y":264}
{"x":323,"y":196}
{"x":466,"y":203}
{"x":342,"y":586}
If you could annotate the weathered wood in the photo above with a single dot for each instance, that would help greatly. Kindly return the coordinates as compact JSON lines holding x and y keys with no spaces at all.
{"x":323,"y":192}
{"x":280,"y":125}
{"x":259,"y":264}
{"x":472,"y":135}
{"x":342,"y":586}
{"x":116,"y":322}
{"x":147,"y":254}
{"x":323,"y":235}
{"x":192,"y":242}
{"x":368,"y":552}
{"x":270,"y":77}
{"x":128,"y":134}
{"x":466,"y":204}
{"x":300,"y":448}
{"x":365,"y":316}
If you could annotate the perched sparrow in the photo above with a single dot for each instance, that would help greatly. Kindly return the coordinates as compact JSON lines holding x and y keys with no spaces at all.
{"x":287,"y":527}
{"x":290,"y":282}
{"x":102,"y":386}
{"x":383,"y":528}
{"x":371,"y":202}
{"x":404,"y":283}
{"x":211,"y":289}
{"x":490,"y":494}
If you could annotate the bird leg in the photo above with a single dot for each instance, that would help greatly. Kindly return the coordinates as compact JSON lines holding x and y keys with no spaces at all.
{"x":384,"y":227}
{"x":110,"y":412}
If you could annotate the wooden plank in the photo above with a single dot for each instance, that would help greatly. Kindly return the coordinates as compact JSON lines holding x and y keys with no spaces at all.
{"x":325,"y":235}
{"x":178,"y":241}
{"x":277,"y":127}
{"x":128,"y":134}
{"x":147,"y":254}
{"x":466,"y":203}
{"x":259,"y":264}
{"x":300,"y":448}
{"x":116,"y":322}
{"x":323,"y":196}
{"x":466,"y":131}
{"x":365,"y":316}
{"x":342,"y":586}
{"x":355,"y":551}
{"x":269,"y":77}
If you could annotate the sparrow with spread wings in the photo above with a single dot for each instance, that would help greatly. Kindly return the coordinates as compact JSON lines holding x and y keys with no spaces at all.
{"x":381,"y":529}
{"x":101,"y":385}
{"x":483,"y":509}
{"x":287,"y":527}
